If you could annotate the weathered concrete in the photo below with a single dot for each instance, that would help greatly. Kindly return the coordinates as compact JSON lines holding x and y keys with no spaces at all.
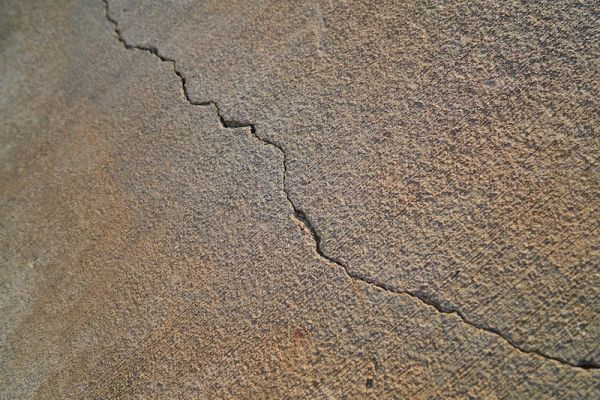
{"x":225,"y":200}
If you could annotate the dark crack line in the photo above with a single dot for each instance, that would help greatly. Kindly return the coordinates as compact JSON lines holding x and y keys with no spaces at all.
{"x":301,"y":216}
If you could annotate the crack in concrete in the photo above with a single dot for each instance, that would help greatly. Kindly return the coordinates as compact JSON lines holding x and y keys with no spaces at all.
{"x":301,"y":216}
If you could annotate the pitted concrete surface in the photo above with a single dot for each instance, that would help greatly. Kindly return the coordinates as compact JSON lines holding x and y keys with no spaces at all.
{"x":299,"y":199}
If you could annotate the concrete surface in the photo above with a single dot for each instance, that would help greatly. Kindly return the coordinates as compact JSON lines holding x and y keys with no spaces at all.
{"x":349,"y":199}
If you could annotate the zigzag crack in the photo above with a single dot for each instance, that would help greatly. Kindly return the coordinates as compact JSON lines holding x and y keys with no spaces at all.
{"x":301,"y":216}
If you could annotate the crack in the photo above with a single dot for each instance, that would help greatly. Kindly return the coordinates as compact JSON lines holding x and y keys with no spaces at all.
{"x":303,"y":219}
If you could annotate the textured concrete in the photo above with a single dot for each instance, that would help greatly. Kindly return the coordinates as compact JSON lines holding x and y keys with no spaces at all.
{"x":299,"y":199}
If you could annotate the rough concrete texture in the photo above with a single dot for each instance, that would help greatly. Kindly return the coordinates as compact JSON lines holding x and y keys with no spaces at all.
{"x":222,"y":199}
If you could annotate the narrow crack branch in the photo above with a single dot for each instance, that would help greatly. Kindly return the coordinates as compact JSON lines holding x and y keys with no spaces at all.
{"x":301,"y":216}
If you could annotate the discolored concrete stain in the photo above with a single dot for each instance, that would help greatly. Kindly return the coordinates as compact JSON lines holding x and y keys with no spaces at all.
{"x":299,"y":200}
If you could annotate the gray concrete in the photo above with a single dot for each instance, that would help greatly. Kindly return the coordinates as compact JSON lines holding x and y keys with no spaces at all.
{"x":299,"y":199}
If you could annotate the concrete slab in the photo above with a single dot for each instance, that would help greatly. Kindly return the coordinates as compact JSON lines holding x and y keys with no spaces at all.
{"x":284,"y":200}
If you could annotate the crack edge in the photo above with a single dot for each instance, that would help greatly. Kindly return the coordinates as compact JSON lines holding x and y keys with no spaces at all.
{"x":303,"y":219}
